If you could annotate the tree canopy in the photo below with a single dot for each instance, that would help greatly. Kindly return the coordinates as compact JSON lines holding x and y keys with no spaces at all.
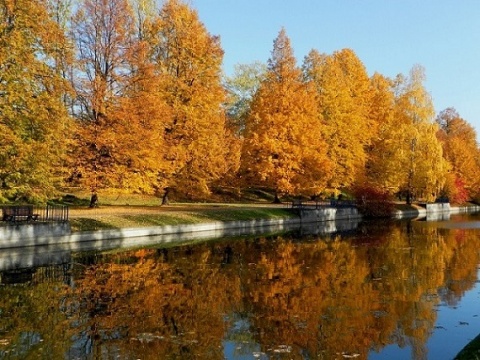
{"x":284,"y":148}
{"x":33,"y":119}
{"x":126,"y":95}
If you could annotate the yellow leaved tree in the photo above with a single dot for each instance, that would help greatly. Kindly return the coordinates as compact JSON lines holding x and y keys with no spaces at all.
{"x":460,"y":149}
{"x":103,"y":32}
{"x":406,"y":157}
{"x":189,"y":59}
{"x":284,"y":148}
{"x":344,"y":98}
{"x":33,"y":119}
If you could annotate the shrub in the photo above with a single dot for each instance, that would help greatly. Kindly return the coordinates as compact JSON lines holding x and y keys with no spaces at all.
{"x":460,"y":193}
{"x":373,"y":202}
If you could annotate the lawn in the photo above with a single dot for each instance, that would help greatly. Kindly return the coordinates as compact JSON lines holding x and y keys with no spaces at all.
{"x":114,"y":217}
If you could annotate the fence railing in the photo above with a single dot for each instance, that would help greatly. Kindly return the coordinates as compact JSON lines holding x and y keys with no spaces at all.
{"x":53,"y":213}
{"x":298,"y":204}
{"x":49,"y":213}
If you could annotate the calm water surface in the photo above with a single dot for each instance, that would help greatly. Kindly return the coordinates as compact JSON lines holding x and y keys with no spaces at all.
{"x":386,"y":290}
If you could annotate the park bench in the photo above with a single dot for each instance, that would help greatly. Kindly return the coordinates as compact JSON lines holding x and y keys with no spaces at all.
{"x":18,"y":213}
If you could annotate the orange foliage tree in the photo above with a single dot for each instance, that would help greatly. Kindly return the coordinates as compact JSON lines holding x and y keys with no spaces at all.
{"x":459,"y":142}
{"x":284,"y":148}
{"x":406,"y":155}
{"x":189,"y":59}
{"x":103,"y":32}
{"x":344,"y":98}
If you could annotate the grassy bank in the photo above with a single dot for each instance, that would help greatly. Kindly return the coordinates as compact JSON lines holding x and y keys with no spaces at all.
{"x":114,"y":217}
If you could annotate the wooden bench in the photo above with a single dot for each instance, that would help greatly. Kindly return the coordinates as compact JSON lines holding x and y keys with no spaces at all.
{"x":19,"y":213}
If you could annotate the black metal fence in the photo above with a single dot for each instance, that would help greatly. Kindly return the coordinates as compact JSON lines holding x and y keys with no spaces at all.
{"x":53,"y":213}
{"x":33,"y":213}
{"x":298,"y":204}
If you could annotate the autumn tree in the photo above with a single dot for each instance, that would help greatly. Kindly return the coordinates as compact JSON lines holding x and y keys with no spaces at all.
{"x":423,"y":164}
{"x":284,"y":149}
{"x":408,"y":157}
{"x":190,"y":60}
{"x":120,"y":104}
{"x":344,"y":97}
{"x":460,"y":149}
{"x":102,"y":31}
{"x":139,"y":118}
{"x":379,"y":172}
{"x":241,"y":88}
{"x":33,"y":120}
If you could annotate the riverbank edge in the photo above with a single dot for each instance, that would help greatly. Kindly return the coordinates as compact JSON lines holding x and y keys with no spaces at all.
{"x":52,"y":234}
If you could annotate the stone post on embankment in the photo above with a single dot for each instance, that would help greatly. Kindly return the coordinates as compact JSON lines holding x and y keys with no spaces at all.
{"x":329,"y":214}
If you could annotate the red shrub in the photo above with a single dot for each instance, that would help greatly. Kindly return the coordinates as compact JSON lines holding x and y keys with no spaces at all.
{"x":373,"y":202}
{"x":459,"y":194}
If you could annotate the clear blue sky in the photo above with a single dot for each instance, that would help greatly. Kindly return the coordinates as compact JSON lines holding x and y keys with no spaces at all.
{"x":389,"y":37}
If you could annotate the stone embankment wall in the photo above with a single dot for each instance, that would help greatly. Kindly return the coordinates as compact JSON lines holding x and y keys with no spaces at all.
{"x":327,"y":214}
{"x":47,"y":234}
{"x":333,"y":219}
{"x":433,"y":211}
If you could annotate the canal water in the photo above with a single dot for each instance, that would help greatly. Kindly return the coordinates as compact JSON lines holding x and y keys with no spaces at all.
{"x":378,"y":290}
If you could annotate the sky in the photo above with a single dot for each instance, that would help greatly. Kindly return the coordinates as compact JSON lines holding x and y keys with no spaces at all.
{"x":388,"y":36}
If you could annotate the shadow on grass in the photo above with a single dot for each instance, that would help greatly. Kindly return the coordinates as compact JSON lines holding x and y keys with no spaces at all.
{"x":70,"y":200}
{"x":160,"y":220}
{"x":85,"y":224}
{"x":245,"y":214}
{"x":210,"y":215}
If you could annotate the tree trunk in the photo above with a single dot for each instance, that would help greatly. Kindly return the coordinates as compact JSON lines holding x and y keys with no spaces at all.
{"x":93,"y":201}
{"x":277,"y":199}
{"x":409,"y":197}
{"x":165,"y":200}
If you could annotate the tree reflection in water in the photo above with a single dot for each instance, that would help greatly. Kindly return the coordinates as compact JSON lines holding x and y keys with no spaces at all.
{"x":270,"y":297}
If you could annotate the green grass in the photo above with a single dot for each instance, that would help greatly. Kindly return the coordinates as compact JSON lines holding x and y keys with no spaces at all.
{"x":241,"y":214}
{"x":86,"y":224}
{"x":112,"y":220}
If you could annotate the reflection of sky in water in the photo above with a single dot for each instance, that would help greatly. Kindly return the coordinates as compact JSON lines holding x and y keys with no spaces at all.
{"x":392,"y":352}
{"x":456,"y":326}
{"x":459,"y":325}
{"x":239,"y":343}
{"x":235,"y":350}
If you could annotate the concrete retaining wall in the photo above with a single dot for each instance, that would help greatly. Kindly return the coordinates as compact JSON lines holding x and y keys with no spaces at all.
{"x":437,"y":207}
{"x":59,"y":249}
{"x":26,"y":235}
{"x":46,"y":234}
{"x":329,"y":214}
{"x":435,"y":211}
